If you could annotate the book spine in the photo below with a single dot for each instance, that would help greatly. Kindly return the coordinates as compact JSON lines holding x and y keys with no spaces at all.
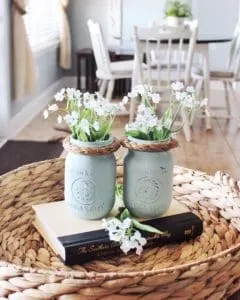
{"x":102,"y":248}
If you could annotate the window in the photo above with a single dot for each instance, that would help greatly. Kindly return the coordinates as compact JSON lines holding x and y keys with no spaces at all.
{"x":41,"y":23}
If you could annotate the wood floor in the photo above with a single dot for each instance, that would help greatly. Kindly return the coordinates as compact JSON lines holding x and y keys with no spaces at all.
{"x":212,"y":150}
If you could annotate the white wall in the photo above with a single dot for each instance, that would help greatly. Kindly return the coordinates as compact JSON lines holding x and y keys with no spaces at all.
{"x":215,"y":17}
{"x":79,"y":12}
{"x":140,"y":12}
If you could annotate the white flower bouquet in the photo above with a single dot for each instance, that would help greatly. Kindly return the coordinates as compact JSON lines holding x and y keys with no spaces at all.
{"x":148,"y":125}
{"x":89,"y":116}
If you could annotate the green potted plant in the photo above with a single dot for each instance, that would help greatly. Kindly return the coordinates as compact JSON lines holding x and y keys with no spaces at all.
{"x":148,"y":165}
{"x":177,"y":11}
{"x":89,"y":187}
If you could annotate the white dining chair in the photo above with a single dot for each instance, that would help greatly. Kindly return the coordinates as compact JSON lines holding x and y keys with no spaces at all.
{"x":107,"y":72}
{"x":168,"y":55}
{"x":229,"y":78}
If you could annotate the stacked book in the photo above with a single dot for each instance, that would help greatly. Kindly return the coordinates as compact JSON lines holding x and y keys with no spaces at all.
{"x":76,"y":241}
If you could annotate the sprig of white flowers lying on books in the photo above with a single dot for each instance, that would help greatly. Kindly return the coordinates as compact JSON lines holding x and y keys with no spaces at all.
{"x":126,"y":230}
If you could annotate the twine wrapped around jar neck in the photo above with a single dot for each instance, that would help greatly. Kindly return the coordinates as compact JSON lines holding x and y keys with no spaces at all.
{"x":149,"y":147}
{"x":104,"y":150}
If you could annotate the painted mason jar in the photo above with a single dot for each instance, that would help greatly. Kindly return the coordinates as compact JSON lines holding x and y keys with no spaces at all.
{"x":147,"y":186}
{"x":90,"y":181}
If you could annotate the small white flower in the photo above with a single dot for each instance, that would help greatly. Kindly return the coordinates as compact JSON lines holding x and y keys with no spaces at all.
{"x":189,"y":102}
{"x":139,"y":249}
{"x":116,"y":235}
{"x":125,"y":100}
{"x":70,"y":93}
{"x":100,"y":111}
{"x":126,"y":223}
{"x":181,"y":96}
{"x":45,"y":114}
{"x":72,"y":119}
{"x":156,"y":98}
{"x":53,"y":107}
{"x":115,"y":230}
{"x":178,"y":96}
{"x":139,"y":242}
{"x":204,"y":102}
{"x":190,"y":89}
{"x":152,"y":122}
{"x":140,"y":89}
{"x":96,"y":125}
{"x":133,"y":94}
{"x":78,"y":94}
{"x":79,"y":103}
{"x":177,"y":86}
{"x":138,"y":237}
{"x":113,"y":223}
{"x":86,"y":96}
{"x":60,"y":95}
{"x":84,"y":125}
{"x":119,"y":232}
{"x":141,"y":108}
{"x":59,"y":119}
{"x":126,"y":245}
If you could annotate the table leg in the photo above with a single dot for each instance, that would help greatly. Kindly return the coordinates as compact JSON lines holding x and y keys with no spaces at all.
{"x":137,"y":77}
{"x":78,"y":73}
{"x":204,"y":50}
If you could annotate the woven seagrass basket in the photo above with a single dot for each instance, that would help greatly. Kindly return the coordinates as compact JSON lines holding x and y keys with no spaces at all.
{"x":205,"y":268}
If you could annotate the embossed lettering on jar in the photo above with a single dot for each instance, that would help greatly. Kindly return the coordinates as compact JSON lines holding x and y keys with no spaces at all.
{"x":90,"y":182}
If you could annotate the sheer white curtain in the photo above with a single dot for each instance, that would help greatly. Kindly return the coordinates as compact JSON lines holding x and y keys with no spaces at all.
{"x":42,"y":23}
{"x":65,"y":37}
{"x":23,"y":66}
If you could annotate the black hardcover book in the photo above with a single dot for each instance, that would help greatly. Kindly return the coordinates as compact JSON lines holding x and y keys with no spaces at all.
{"x":77,"y":241}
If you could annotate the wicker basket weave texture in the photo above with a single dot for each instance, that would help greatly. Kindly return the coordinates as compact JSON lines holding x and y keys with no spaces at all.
{"x":205,"y":268}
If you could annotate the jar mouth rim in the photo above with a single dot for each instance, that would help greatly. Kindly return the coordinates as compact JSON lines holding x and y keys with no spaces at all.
{"x":140,"y":141}
{"x":95,"y":144}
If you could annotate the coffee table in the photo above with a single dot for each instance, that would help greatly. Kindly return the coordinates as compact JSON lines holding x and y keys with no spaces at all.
{"x":205,"y":268}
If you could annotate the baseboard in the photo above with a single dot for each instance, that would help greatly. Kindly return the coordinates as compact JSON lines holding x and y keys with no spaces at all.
{"x":25,"y":115}
{"x":2,"y":142}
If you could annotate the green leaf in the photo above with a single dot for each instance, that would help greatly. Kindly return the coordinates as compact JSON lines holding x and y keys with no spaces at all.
{"x":145,"y":227}
{"x":125,"y":214}
{"x":133,"y":133}
{"x":119,"y":189}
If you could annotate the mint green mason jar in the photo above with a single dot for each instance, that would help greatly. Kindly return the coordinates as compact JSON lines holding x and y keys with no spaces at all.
{"x":90,"y":181}
{"x":147,"y":185}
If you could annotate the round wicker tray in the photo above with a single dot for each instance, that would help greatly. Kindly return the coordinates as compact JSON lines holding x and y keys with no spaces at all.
{"x":206,"y":268}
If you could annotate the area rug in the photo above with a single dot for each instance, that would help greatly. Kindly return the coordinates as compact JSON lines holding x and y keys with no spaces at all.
{"x":14,"y":154}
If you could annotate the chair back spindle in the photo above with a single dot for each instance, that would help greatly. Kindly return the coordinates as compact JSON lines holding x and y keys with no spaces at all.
{"x":99,"y":48}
